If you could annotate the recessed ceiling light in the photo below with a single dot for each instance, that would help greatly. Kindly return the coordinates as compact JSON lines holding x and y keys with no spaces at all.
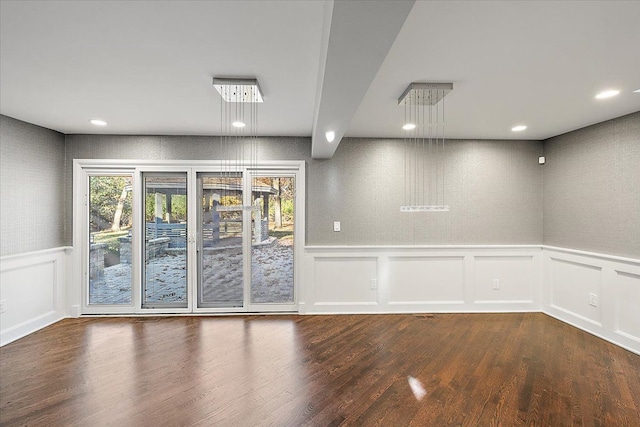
{"x":238,"y":124}
{"x":98,"y":122}
{"x":409,"y":126}
{"x":330,"y":135}
{"x":607,"y":94}
{"x":518,"y":128}
{"x":636,"y":91}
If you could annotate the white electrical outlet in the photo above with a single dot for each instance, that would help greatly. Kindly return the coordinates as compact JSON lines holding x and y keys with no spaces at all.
{"x":593,"y":300}
{"x":374,"y":284}
{"x":336,"y":225}
{"x":3,"y":305}
{"x":496,"y":284}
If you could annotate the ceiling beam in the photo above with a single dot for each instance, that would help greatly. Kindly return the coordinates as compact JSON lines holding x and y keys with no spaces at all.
{"x":357,"y":37}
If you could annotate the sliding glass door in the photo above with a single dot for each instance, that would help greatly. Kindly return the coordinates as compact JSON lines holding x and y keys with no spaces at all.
{"x":220,"y":242}
{"x":110,"y":279}
{"x":165,"y":240}
{"x":245,"y":245}
{"x":272,"y":242}
{"x":187,"y":239}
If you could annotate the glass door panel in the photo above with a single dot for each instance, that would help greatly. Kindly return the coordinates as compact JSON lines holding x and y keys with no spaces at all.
{"x":220,"y":255}
{"x":110,"y":227}
{"x":165,"y":240}
{"x":272,"y":231}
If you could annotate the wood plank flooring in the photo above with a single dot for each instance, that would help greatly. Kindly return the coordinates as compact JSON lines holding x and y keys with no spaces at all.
{"x":477,"y":369}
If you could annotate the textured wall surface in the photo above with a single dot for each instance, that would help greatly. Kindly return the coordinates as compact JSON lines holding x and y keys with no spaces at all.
{"x":494,"y":189}
{"x":32,"y":169}
{"x":592,"y":188}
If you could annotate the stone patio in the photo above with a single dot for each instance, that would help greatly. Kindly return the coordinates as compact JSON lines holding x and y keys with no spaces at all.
{"x":272,"y":280}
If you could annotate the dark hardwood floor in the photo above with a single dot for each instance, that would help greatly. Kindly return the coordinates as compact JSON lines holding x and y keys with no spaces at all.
{"x":477,"y":369}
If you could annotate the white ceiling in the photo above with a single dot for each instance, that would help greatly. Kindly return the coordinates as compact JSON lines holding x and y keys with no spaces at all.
{"x":146,"y":67}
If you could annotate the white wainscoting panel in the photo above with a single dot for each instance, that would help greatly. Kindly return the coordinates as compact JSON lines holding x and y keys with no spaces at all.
{"x":571,"y":285}
{"x":32,"y":286}
{"x":421,"y":279}
{"x":594,"y":292}
{"x":426,"y":280}
{"x":342,"y":281}
{"x":627,"y":305}
{"x":516,"y":275}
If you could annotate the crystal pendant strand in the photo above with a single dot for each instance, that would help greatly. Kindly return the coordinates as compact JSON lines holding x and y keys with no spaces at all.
{"x":424,"y":177}
{"x":238,"y":113}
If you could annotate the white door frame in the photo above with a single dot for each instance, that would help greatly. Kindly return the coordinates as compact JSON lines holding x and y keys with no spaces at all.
{"x":82,"y":168}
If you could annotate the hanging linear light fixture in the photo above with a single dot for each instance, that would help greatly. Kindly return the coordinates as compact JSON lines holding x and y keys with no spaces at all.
{"x":424,"y":189}
{"x":238,"y":90}
{"x":238,"y":129}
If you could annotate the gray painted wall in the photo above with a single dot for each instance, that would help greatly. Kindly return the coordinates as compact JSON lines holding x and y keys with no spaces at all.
{"x":495,"y":187}
{"x":32,"y":205}
{"x":592,"y":188}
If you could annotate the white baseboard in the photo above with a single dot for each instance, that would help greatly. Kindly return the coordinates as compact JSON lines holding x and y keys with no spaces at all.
{"x":28,"y":327}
